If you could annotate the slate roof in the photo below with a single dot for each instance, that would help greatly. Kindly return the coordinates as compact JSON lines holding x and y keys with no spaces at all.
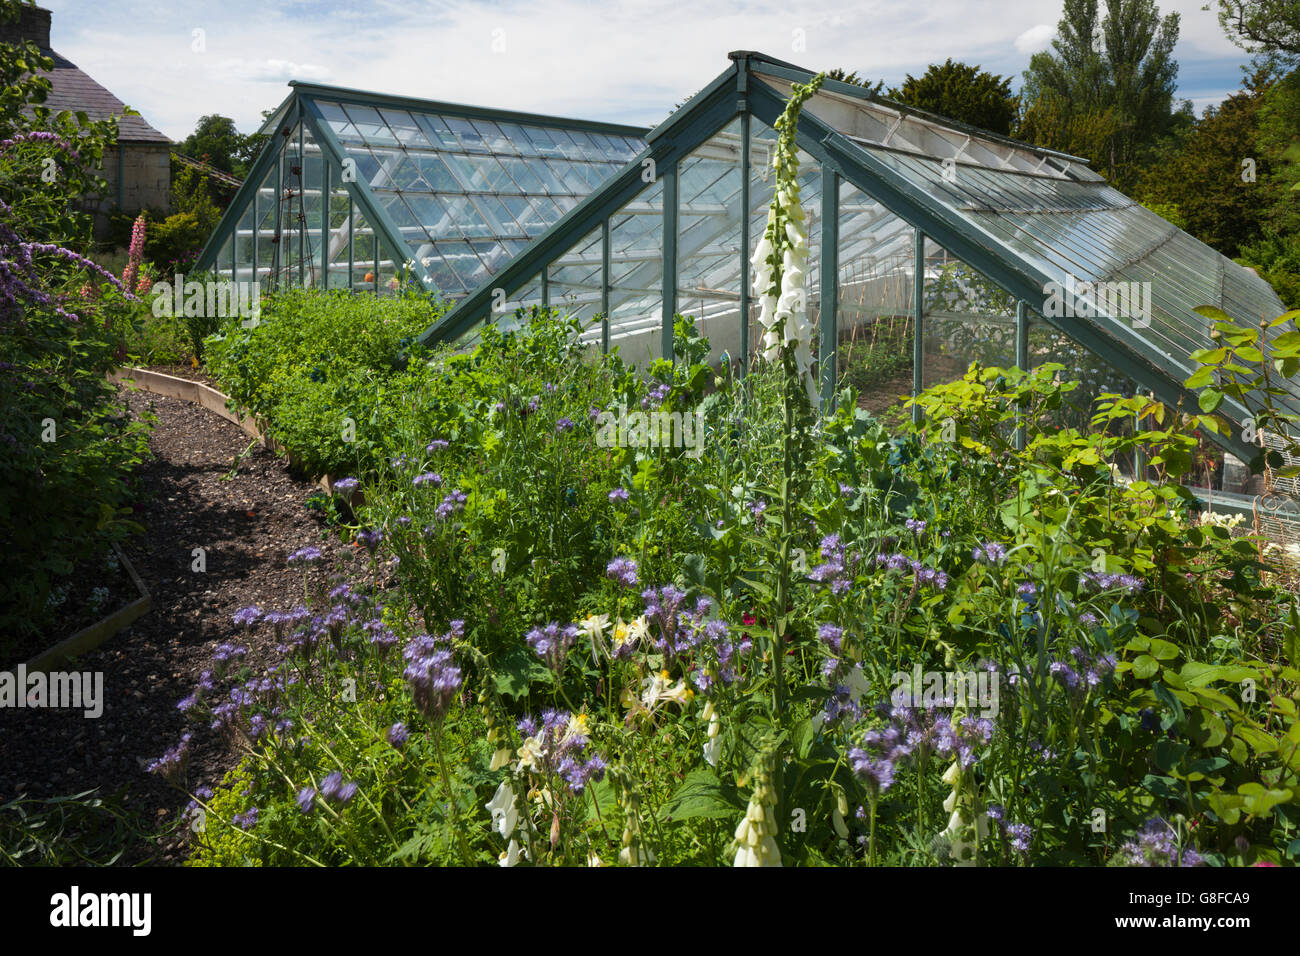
{"x":74,"y":90}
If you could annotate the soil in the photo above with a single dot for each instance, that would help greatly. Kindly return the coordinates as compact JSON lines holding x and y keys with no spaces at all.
{"x":889,"y":393}
{"x":205,"y":488}
{"x":97,"y":587}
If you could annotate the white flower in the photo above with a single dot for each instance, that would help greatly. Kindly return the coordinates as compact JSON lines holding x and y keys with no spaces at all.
{"x":510,"y":855}
{"x":644,"y":857}
{"x":961,"y":848}
{"x":505,"y":813}
{"x":500,"y":758}
{"x":593,"y":628}
{"x":578,"y":726}
{"x":712,"y":749}
{"x":658,"y":687}
{"x":530,"y":753}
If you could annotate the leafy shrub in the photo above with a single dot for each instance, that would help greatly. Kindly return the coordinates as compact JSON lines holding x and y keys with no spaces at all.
{"x":321,"y":370}
{"x":69,"y":446}
{"x":556,"y":706}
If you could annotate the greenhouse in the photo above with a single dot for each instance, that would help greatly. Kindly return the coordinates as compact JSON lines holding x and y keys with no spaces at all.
{"x":1026,"y":255}
{"x":442,"y":194}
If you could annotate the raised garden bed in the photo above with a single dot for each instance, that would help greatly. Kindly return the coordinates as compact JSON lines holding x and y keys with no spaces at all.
{"x":95,"y":634}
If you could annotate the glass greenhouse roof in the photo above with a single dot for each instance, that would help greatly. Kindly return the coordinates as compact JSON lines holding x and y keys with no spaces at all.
{"x":1039,"y":225}
{"x":458,"y":190}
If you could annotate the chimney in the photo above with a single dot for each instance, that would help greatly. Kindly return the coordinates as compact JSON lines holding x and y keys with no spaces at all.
{"x":33,"y":23}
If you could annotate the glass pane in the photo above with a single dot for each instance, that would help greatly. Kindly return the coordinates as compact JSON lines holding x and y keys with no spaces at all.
{"x":374,"y":131}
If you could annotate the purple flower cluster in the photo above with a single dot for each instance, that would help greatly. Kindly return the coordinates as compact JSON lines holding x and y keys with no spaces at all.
{"x":1018,"y":834}
{"x":564,"y":425}
{"x":370,"y":538}
{"x":831,"y":636}
{"x":836,"y":569}
{"x":454,"y":503}
{"x":172,"y":763}
{"x":552,"y":642}
{"x":437,"y":444}
{"x":345,"y":486}
{"x":432,"y":673}
{"x":1156,"y":844}
{"x":677,"y":630}
{"x":655,"y":397}
{"x":1081,"y":671}
{"x":622,"y":570}
{"x":991,"y":552}
{"x":927,"y":576}
{"x":246,"y":617}
{"x":308,"y":555}
{"x":1102,"y":581}
{"x":246,"y":820}
{"x":914,"y":731}
{"x":915,"y":525}
{"x":560,"y":748}
{"x":618,"y":494}
{"x":428,"y":478}
{"x":337,"y":790}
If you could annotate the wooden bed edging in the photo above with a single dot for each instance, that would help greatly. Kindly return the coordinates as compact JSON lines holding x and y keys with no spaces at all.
{"x":88,"y":638}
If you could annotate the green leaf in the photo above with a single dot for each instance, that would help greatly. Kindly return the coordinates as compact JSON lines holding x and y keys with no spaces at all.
{"x":702,"y":795}
{"x":1209,"y":400}
{"x":1145,"y":666}
{"x":515,"y":670}
{"x":1213,"y":312}
{"x":1163,"y":650}
{"x":802,"y":737}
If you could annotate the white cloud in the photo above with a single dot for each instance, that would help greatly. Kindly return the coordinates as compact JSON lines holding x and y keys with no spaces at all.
{"x":1035,"y":38}
{"x":618,"y":60}
{"x":281,"y":71}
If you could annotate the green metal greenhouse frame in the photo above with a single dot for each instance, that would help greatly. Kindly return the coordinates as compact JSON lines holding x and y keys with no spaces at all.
{"x":309,"y":114}
{"x":1023,"y":217}
{"x":913,"y":188}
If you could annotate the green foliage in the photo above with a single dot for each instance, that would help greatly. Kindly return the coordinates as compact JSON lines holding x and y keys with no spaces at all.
{"x":320,"y":370}
{"x":218,"y":143}
{"x":1216,"y":179}
{"x":1249,"y":365}
{"x":76,"y":830}
{"x":1107,"y":92}
{"x":1160,"y":621}
{"x":1263,"y":26}
{"x":963,"y":93}
{"x":1277,"y":260}
{"x":69,"y":446}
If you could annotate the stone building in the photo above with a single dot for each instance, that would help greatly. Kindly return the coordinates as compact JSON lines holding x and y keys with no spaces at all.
{"x":138,"y":169}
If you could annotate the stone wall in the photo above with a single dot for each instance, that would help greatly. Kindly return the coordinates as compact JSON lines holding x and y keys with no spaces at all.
{"x":145,"y":171}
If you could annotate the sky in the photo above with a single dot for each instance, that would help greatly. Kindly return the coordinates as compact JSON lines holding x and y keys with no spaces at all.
{"x":624,"y":61}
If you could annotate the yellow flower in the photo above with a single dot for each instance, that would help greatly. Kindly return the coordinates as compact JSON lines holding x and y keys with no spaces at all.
{"x":579,"y":726}
{"x":530,"y":753}
{"x":658,"y":687}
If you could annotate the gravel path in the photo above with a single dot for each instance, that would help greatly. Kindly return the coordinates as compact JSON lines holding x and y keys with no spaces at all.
{"x":247,"y":524}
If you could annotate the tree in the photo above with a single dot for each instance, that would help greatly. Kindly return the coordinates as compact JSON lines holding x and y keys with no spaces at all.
{"x":963,"y":93}
{"x":852,"y":77}
{"x":218,"y":143}
{"x":1218,"y":179}
{"x":1108,"y":86}
{"x":1263,"y":26}
{"x":53,"y":212}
